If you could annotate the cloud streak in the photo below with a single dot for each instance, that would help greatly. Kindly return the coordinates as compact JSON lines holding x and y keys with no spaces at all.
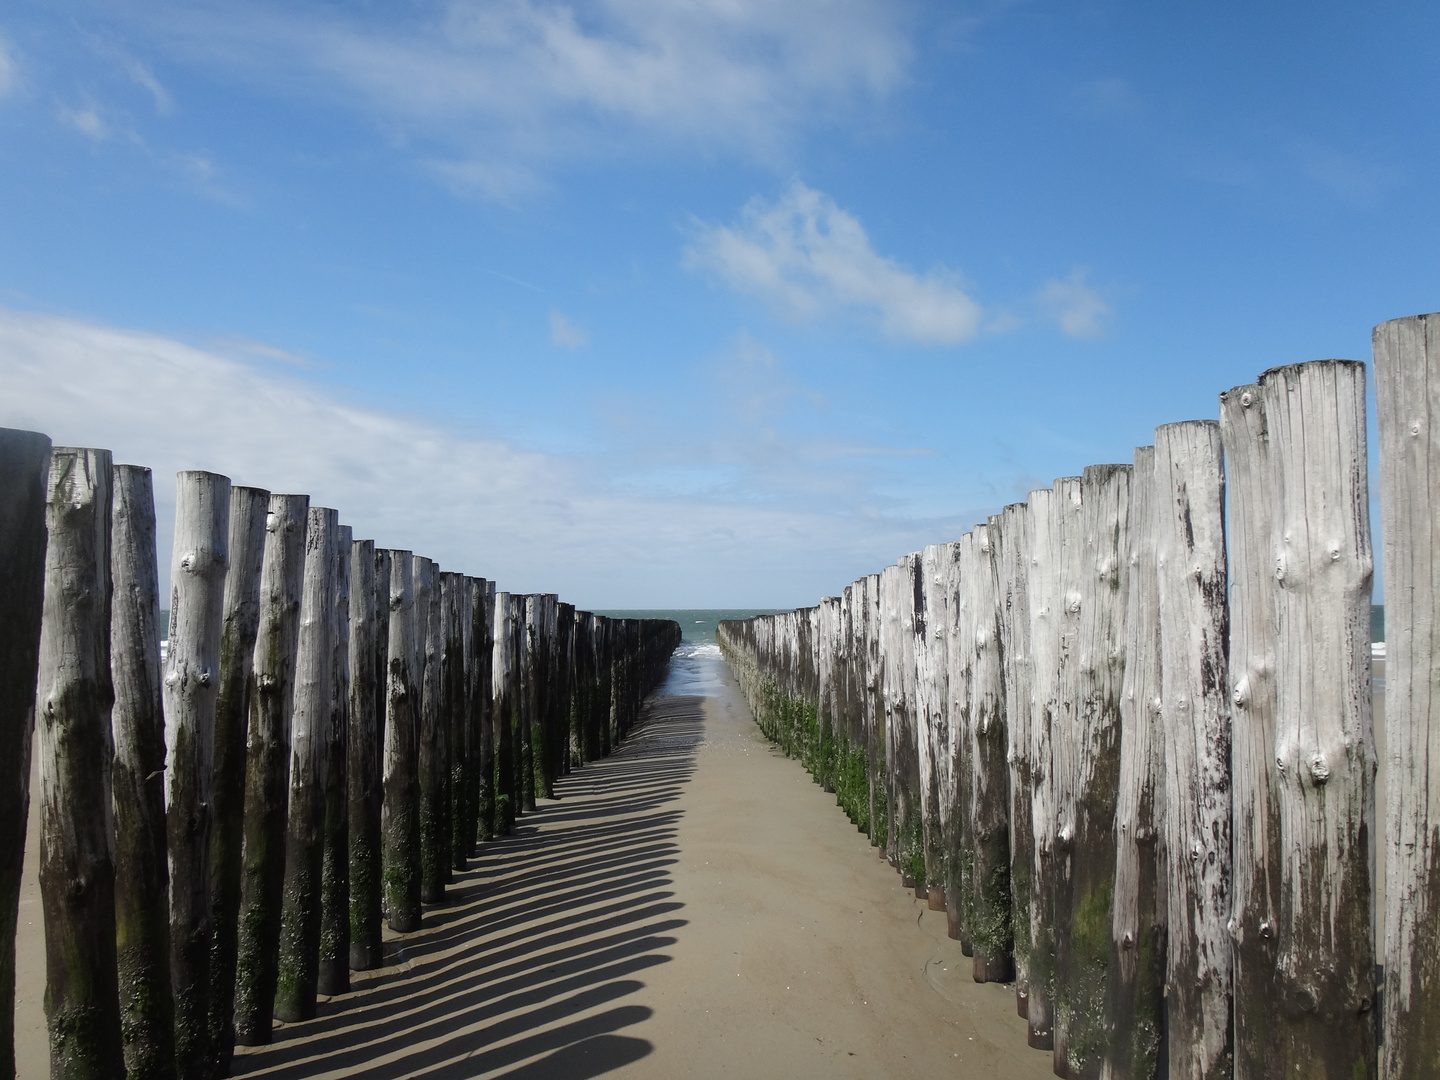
{"x":807,"y":258}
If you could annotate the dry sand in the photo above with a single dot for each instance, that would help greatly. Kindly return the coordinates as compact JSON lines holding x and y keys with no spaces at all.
{"x":692,"y":906}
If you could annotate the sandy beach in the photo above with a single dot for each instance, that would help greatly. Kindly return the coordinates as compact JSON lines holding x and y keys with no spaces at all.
{"x":692,"y":906}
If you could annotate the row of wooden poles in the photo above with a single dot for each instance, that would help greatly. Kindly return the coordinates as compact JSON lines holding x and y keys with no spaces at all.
{"x":1122,"y":734}
{"x":331,"y":730}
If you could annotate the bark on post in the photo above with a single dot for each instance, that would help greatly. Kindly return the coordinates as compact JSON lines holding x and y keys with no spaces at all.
{"x":142,"y":926}
{"x":400,"y":812}
{"x":298,"y":973}
{"x":1324,"y":733}
{"x":362,"y":767}
{"x":24,"y":478}
{"x":73,"y":702}
{"x":1137,"y":978}
{"x":1195,"y":710}
{"x":429,"y":615}
{"x":1407,"y":392}
{"x":335,"y":870}
{"x":1255,"y":808}
{"x":267,"y":769}
{"x":192,"y":687}
{"x":249,"y":509}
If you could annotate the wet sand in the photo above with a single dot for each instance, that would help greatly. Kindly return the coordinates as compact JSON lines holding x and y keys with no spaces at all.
{"x":692,"y":906}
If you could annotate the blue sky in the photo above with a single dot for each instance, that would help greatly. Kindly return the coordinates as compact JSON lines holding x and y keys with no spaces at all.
{"x":690,"y":303}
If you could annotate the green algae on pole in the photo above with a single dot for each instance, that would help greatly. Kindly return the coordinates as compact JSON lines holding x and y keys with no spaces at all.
{"x":1195,"y":710}
{"x":502,"y":706}
{"x":362,"y":767}
{"x":429,"y":620}
{"x":1407,"y":393}
{"x":267,"y":767}
{"x":198,"y":569}
{"x":24,"y":480}
{"x":73,"y":701}
{"x":142,"y":924}
{"x":1324,"y":734}
{"x":334,"y":972}
{"x":400,"y":809}
{"x":249,"y":508}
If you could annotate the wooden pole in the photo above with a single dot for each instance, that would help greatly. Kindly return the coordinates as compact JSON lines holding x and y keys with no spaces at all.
{"x":362,"y":766}
{"x":1324,"y":734}
{"x":530,"y":700}
{"x":961,"y":922}
{"x":192,"y":687}
{"x":932,"y":698}
{"x":1019,"y":708}
{"x":465,"y":732}
{"x":485,"y":709}
{"x":73,"y":702}
{"x":1136,"y":1004}
{"x":334,"y":974}
{"x":1407,"y":396}
{"x":249,"y":509}
{"x":296,"y":984}
{"x":142,"y":926}
{"x":503,"y":704}
{"x":267,"y":769}
{"x":400,"y":811}
{"x":430,"y":620}
{"x":1255,"y":808}
{"x":24,"y":478}
{"x":1195,"y":710}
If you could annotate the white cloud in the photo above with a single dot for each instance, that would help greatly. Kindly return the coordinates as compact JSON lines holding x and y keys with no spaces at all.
{"x":1075,"y":306}
{"x":564,"y":334}
{"x":806,"y":257}
{"x":532,"y":521}
{"x":87,"y":121}
{"x":142,"y":76}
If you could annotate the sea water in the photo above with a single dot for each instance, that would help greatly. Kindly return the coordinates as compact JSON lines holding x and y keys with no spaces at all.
{"x":696,"y":663}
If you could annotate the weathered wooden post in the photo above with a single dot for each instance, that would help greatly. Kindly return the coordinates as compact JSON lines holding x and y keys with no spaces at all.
{"x":267,"y":769}
{"x":142,"y":926}
{"x":1324,"y":735}
{"x":485,"y":708}
{"x":1019,"y":708}
{"x":334,"y":973}
{"x":1136,"y":1003}
{"x":24,"y":479}
{"x":192,"y":686}
{"x":449,"y":728}
{"x":1195,"y":711}
{"x":932,"y":713}
{"x":961,"y":911}
{"x":73,"y":701}
{"x":249,"y":508}
{"x":503,"y":705}
{"x":465,"y":731}
{"x":1407,"y":393}
{"x":531,"y":699}
{"x":298,"y":972}
{"x":429,"y":621}
{"x":400,"y":812}
{"x":362,"y":764}
{"x":1255,"y":808}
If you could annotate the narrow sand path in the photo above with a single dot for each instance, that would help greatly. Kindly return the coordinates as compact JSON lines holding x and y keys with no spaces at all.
{"x":692,"y":906}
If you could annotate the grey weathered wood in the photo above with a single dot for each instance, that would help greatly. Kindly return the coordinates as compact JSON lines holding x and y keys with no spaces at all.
{"x":485,"y":709}
{"x":1019,"y":708}
{"x":249,"y":509}
{"x":1136,"y":1004}
{"x":192,"y":686}
{"x":961,"y":764}
{"x":1195,"y":710}
{"x":73,"y":702}
{"x":931,"y":701}
{"x":1324,"y":734}
{"x":1255,"y":808}
{"x":142,"y":926}
{"x":1407,"y":396}
{"x":503,"y":706}
{"x":24,"y":477}
{"x":465,"y":734}
{"x":298,"y":971}
{"x":267,"y":769}
{"x":334,"y":973}
{"x":430,"y":619}
{"x":363,"y":763}
{"x":400,"y":812}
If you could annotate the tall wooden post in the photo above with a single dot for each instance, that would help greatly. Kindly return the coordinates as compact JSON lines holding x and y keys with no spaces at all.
{"x":24,"y":478}
{"x":1255,"y":807}
{"x":267,"y":769}
{"x":1019,"y":706}
{"x":503,"y":705}
{"x":483,"y":703}
{"x":142,"y":877}
{"x":334,"y":975}
{"x":249,"y":510}
{"x":73,"y":701}
{"x":400,"y":812}
{"x":429,"y":608}
{"x":1195,"y":709}
{"x":1136,"y":1003}
{"x":192,"y":687}
{"x":362,"y":768}
{"x":1324,"y":734}
{"x":1407,"y":393}
{"x":932,"y":700}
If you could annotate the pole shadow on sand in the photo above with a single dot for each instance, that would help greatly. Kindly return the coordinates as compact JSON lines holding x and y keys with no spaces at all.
{"x":530,"y":966}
